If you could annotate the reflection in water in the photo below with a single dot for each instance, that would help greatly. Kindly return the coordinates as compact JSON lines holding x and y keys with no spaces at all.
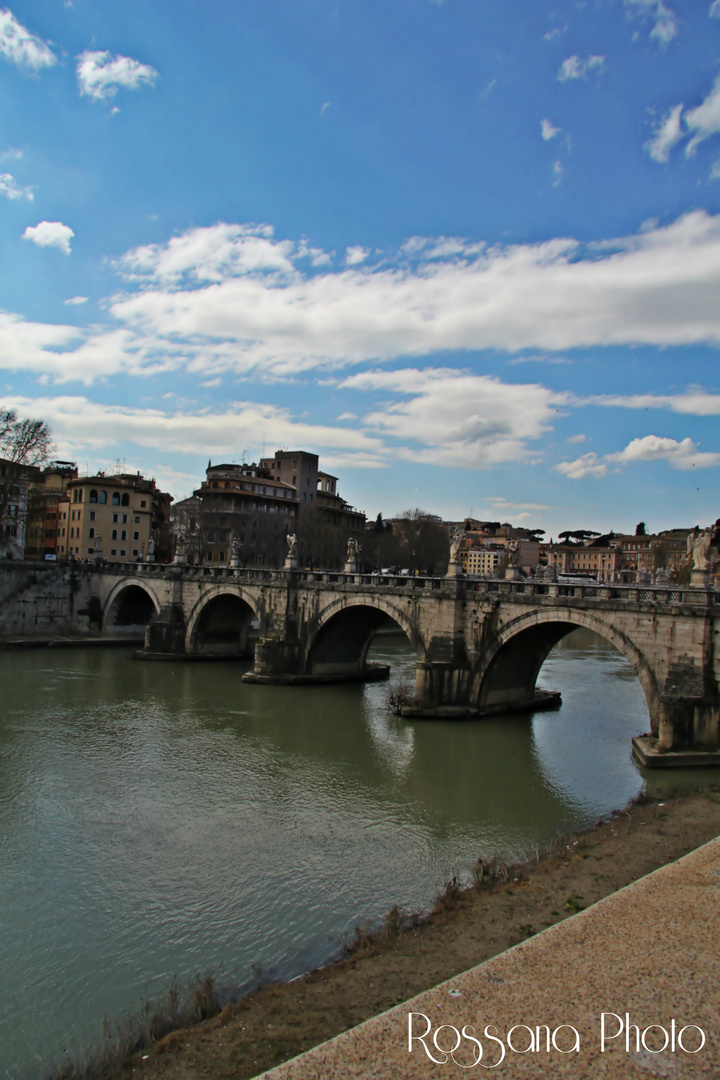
{"x":157,"y":820}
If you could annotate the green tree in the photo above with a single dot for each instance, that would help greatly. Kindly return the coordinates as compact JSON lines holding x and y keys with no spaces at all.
{"x":640,"y":529}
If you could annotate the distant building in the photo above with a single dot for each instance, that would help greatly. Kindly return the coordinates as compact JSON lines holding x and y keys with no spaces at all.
{"x":247,"y":511}
{"x":14,"y":488}
{"x":123,"y":517}
{"x":47,"y":490}
{"x":483,"y":561}
{"x":503,"y":537}
{"x":335,"y":522}
{"x":242,"y":512}
{"x":597,"y":558}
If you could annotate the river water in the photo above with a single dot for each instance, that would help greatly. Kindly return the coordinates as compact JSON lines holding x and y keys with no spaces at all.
{"x":162,"y":820}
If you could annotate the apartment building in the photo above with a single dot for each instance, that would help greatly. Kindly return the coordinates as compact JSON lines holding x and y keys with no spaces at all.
{"x":123,"y":517}
{"x":47,"y":491}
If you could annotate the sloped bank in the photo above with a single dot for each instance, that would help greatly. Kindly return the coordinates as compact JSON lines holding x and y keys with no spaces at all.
{"x":466,"y":928}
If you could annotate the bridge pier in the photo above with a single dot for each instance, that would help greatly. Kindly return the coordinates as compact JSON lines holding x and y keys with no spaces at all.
{"x":282,"y":662}
{"x":165,"y":634}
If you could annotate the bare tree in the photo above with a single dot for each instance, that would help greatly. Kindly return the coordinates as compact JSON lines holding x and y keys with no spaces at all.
{"x":425,"y":541}
{"x":25,"y":445}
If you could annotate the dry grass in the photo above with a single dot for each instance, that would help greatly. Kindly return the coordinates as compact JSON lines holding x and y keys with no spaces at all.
{"x":139,"y":1031}
{"x":398,"y":693}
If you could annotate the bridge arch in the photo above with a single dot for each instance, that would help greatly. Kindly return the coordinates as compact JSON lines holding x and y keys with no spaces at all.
{"x":220,"y":623}
{"x":339,"y":641}
{"x":130,"y":606}
{"x":510,"y":667}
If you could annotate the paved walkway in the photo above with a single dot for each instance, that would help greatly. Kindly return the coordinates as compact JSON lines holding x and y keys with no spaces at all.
{"x":647,"y":955}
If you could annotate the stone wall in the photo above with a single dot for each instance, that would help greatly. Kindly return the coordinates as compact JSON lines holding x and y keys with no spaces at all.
{"x":38,"y":598}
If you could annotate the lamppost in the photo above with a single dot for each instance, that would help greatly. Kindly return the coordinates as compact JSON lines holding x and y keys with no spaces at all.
{"x":98,"y":548}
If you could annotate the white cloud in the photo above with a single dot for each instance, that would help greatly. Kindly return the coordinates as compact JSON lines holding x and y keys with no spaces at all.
{"x":356,"y":255}
{"x":558,"y":173}
{"x":715,"y":171}
{"x":213,"y":254}
{"x":11,"y":155}
{"x":75,"y":300}
{"x":50,"y":234}
{"x":100,"y":74}
{"x":234,"y":298}
{"x":446,"y":417}
{"x":21,"y":47}
{"x":694,"y":402}
{"x":10,"y":190}
{"x":666,"y":134}
{"x":577,"y":438}
{"x":548,"y":131}
{"x":575,"y":67}
{"x":587,"y":465}
{"x":704,"y":121}
{"x":683,"y":455}
{"x":80,"y":425}
{"x":714,"y":10}
{"x":701,"y":123}
{"x":503,"y":505}
{"x":664,"y":20}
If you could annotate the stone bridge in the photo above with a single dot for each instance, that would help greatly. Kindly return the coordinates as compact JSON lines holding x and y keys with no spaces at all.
{"x":479,"y":644}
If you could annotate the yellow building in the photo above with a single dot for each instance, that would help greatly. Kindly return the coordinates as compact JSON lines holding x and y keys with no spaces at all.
{"x":123,"y":518}
{"x":482,"y":561}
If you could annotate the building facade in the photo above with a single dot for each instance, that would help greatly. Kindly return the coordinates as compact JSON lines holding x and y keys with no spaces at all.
{"x":124,"y":518}
{"x":244,"y":512}
{"x":14,"y":489}
{"x":47,"y":491}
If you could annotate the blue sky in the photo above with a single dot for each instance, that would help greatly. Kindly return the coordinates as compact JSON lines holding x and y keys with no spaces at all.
{"x":466,"y":251}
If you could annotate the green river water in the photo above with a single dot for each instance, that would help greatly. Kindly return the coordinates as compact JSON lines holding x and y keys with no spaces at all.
{"x":160,"y":820}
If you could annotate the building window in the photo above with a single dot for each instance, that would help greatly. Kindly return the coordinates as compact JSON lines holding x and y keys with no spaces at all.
{"x":122,"y":551}
{"x":113,"y":551}
{"x":135,"y":551}
{"x":93,"y":495}
{"x":91,"y":533}
{"x":124,"y":519}
{"x":123,"y":535}
{"x":125,"y":501}
{"x":136,"y":536}
{"x":115,"y":517}
{"x":137,"y":520}
{"x":114,"y":535}
{"x":143,"y":504}
{"x":92,"y":514}
{"x":102,"y":498}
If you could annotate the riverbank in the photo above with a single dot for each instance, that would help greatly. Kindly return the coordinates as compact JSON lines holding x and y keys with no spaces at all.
{"x":466,"y":927}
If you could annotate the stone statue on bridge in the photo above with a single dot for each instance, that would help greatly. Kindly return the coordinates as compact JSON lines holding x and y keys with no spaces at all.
{"x":457,"y":537}
{"x":351,"y":558}
{"x":698,"y":545}
{"x":291,"y":557}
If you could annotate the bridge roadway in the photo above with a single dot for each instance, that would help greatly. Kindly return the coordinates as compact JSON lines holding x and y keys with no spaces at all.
{"x":479,"y":644}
